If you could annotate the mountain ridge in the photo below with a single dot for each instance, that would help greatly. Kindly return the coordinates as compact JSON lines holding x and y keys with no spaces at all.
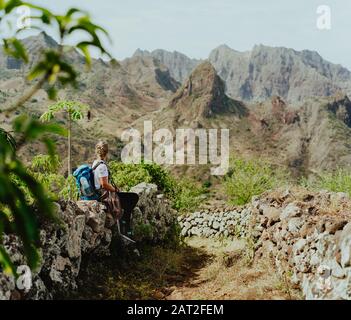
{"x":309,"y":133}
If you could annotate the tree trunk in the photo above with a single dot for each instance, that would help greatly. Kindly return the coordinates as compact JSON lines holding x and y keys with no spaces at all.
{"x":69,"y":145}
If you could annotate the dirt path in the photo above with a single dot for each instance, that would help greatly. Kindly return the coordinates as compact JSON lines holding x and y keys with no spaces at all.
{"x":229,"y":275}
{"x":203,"y":269}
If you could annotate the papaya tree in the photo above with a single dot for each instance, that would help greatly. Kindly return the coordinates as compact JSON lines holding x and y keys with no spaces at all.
{"x":49,"y":71}
{"x":74,"y":111}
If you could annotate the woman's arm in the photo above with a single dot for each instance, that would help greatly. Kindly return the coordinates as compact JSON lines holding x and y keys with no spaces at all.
{"x":106,"y":185}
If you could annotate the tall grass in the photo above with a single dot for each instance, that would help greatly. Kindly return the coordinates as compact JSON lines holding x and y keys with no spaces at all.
{"x":338,"y":181}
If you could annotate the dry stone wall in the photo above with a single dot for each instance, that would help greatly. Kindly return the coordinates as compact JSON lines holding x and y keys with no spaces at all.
{"x":308,"y":235}
{"x":85,"y":229}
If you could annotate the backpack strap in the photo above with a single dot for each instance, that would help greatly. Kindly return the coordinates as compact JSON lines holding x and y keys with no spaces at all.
{"x":97,"y":165}
{"x":108,"y":170}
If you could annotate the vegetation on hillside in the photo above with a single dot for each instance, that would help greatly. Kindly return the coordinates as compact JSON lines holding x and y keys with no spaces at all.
{"x":184,"y":194}
{"x":338,"y":181}
{"x":248,"y":178}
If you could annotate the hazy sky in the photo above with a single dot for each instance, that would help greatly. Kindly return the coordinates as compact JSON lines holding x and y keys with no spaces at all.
{"x":195,"y":27}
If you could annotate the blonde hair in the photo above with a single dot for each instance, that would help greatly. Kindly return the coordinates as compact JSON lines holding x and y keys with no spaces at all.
{"x":101,"y":149}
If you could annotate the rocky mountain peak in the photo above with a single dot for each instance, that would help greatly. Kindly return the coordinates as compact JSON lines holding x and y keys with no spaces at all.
{"x":149,"y":74}
{"x":203,"y":96}
{"x":179,"y":65}
{"x":140,"y":53}
{"x":39,"y":41}
{"x":204,"y":80}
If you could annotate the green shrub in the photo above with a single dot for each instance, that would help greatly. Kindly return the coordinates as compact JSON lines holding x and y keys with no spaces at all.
{"x":338,"y":181}
{"x":45,"y":164}
{"x":248,"y":178}
{"x":187,"y":196}
{"x":45,"y":170}
{"x":126,"y":176}
{"x":129,"y":175}
{"x":161,"y":177}
{"x":184,"y":194}
{"x":143,"y":231}
{"x":70,"y":190}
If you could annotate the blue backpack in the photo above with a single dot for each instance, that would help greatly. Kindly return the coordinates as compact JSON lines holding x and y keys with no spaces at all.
{"x":84,"y":176}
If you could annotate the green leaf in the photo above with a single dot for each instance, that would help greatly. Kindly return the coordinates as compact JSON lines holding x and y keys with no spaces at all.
{"x":72,"y":11}
{"x":46,"y":15}
{"x":13,"y":47}
{"x":8,"y":138}
{"x":24,"y":223}
{"x":6,"y":263}
{"x":38,"y":70}
{"x":52,"y":93}
{"x":84,"y":48}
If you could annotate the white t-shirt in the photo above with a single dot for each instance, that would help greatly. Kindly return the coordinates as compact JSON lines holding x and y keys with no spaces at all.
{"x":100,"y":172}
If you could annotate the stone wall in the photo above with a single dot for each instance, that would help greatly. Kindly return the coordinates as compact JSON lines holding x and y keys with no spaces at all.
{"x":308,"y":235}
{"x":84,"y":230}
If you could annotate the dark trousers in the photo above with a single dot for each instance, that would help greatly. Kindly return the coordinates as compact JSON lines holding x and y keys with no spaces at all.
{"x":128,"y":202}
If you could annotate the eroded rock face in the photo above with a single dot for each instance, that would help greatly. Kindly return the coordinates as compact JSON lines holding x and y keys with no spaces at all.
{"x":307,"y":234}
{"x":264,"y":71}
{"x":203,"y":96}
{"x":84,"y":230}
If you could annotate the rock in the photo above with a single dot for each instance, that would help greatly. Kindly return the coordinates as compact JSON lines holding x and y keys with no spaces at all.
{"x":216,"y":225}
{"x":7,"y":285}
{"x":336,"y":270}
{"x":74,"y":237}
{"x":345,"y":248}
{"x":295,"y":224}
{"x":301,"y":264}
{"x":299,"y":245}
{"x":187,"y":225}
{"x":143,"y":187}
{"x":159,"y":295}
{"x":96,"y":220}
{"x":315,"y":260}
{"x":306,"y":229}
{"x":341,"y":289}
{"x":38,"y":291}
{"x":340,"y":197}
{"x":273,"y":215}
{"x":58,"y":266}
{"x":332,"y":226}
{"x":290,"y":211}
{"x":199,"y":220}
